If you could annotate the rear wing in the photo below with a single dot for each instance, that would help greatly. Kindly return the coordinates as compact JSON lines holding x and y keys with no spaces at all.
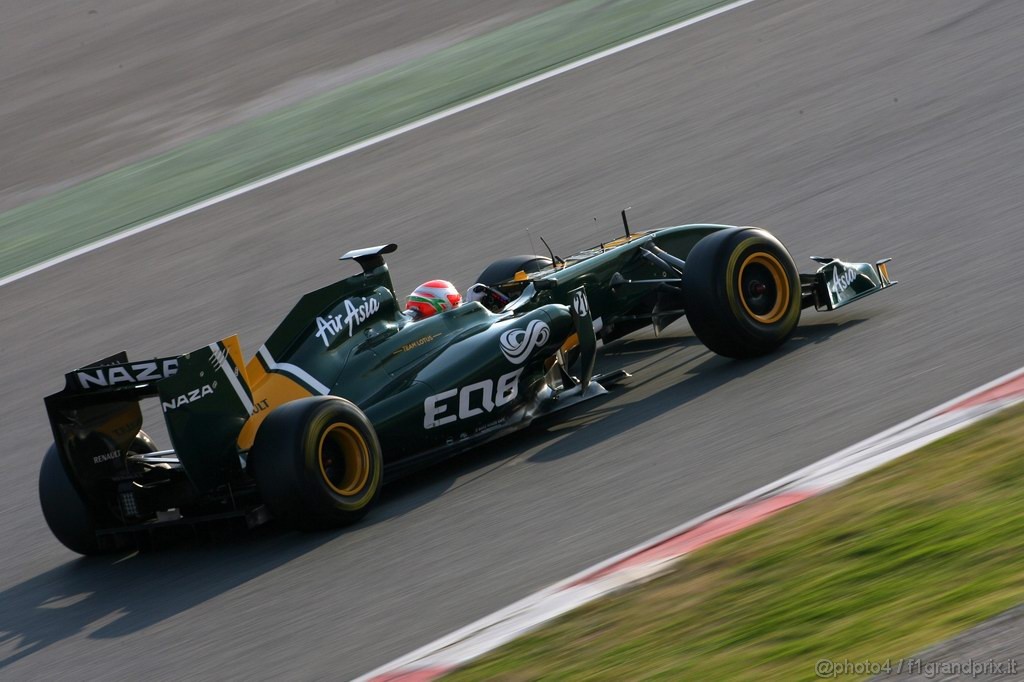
{"x":117,"y":374}
{"x":204,"y":397}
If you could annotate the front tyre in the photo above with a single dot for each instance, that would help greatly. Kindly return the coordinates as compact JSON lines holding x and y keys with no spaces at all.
{"x":741,"y":291}
{"x":317,"y":462}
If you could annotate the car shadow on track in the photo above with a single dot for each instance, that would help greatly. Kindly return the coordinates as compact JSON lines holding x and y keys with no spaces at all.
{"x":116,"y":595}
{"x":703,"y":374}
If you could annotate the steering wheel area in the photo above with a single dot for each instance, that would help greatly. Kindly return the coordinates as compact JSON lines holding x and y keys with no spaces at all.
{"x":489,"y":297}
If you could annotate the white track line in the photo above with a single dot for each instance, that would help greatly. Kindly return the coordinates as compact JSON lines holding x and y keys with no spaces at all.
{"x":369,"y":142}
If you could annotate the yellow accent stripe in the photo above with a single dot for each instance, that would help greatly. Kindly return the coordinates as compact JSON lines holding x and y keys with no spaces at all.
{"x":254,"y":370}
{"x":623,"y":240}
{"x":270,"y":391}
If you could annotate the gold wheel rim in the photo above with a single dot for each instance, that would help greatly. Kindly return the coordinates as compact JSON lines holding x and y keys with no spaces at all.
{"x":779,"y":279}
{"x":342,"y":443}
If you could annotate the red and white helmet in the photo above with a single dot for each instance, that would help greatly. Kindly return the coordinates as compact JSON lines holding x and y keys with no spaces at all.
{"x":430,"y":298}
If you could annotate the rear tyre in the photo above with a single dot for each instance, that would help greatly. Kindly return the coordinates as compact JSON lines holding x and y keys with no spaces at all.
{"x":70,"y":518}
{"x":66,"y":513}
{"x":741,"y":291}
{"x":317,"y":463}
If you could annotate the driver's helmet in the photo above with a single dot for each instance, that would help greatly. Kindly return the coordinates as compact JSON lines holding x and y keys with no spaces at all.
{"x":430,"y":298}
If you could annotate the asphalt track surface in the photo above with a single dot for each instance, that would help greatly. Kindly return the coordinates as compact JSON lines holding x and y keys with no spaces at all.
{"x":859,"y":130}
{"x":91,"y":85}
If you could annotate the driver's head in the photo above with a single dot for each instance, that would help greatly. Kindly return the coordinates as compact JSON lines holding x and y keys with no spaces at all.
{"x":430,"y":298}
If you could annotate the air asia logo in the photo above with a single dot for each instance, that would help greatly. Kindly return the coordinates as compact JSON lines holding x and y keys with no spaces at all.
{"x":841,"y":282}
{"x":518,"y":344}
{"x":328,"y":328}
{"x":192,"y":396}
{"x":470,"y":401}
{"x":134,"y":373}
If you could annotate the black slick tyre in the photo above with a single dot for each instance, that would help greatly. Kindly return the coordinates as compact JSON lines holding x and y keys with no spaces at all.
{"x":741,"y":291}
{"x":71,"y":520}
{"x":317,"y":463}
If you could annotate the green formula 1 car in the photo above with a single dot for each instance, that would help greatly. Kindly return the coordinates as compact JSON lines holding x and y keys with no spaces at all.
{"x":349,"y":392}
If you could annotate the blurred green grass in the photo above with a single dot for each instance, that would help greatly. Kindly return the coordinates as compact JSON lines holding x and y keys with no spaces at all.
{"x":903,"y":557}
{"x":110,"y":203}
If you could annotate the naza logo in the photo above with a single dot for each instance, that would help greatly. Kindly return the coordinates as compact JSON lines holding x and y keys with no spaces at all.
{"x":190,"y":397}
{"x":518,"y":344}
{"x":133,"y":373}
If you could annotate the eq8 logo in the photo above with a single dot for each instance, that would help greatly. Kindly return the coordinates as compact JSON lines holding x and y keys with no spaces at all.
{"x":470,"y":401}
{"x":518,"y":344}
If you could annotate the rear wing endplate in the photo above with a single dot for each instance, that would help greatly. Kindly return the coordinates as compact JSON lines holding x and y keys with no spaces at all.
{"x":204,"y":397}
